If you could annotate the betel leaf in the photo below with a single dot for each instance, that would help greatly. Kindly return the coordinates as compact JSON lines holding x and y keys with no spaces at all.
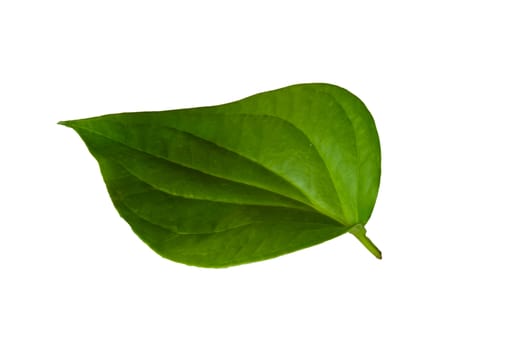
{"x":244,"y":181}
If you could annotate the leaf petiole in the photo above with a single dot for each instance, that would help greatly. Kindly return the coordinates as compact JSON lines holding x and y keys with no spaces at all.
{"x":359,"y":232}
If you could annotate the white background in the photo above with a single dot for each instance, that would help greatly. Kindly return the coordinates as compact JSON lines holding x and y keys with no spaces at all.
{"x":445,"y":83}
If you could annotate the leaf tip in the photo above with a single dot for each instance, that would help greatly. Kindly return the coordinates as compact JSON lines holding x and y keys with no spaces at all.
{"x":65,"y":123}
{"x":69,"y":123}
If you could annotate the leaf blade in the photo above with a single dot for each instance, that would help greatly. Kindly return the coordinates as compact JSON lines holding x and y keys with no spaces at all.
{"x":280,"y":171}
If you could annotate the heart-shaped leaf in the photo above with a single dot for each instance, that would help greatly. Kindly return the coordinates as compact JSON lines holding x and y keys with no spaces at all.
{"x":244,"y":181}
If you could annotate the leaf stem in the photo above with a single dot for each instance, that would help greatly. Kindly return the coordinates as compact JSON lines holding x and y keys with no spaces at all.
{"x":359,"y":232}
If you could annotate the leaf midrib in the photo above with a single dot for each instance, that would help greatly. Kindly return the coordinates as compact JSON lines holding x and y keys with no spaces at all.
{"x":310,"y":205}
{"x":311,"y":202}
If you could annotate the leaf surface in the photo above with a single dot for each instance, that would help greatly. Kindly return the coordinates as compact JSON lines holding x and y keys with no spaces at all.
{"x":244,"y":181}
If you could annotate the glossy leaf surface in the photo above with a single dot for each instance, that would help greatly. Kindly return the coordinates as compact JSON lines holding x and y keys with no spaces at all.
{"x":244,"y":181}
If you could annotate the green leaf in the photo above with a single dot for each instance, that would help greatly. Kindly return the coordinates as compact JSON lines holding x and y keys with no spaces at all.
{"x":244,"y":181}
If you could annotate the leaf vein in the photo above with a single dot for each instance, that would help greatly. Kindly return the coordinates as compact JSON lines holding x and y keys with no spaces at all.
{"x":308,"y":204}
{"x":352,"y":127}
{"x":323,"y":160}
